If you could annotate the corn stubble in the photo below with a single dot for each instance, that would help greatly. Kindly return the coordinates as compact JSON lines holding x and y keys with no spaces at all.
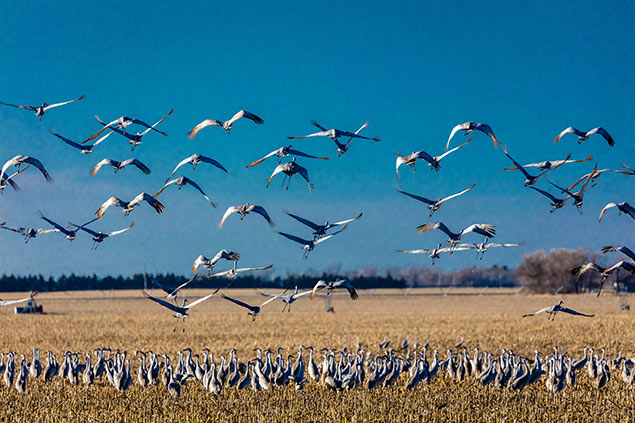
{"x":125,"y":320}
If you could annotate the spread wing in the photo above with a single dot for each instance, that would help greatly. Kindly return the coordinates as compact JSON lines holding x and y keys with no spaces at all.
{"x":349,"y":287}
{"x":134,"y":162}
{"x":19,"y":106}
{"x":10,"y":302}
{"x":246,"y":114}
{"x":211,"y":161}
{"x":198,"y":188}
{"x":104,"y":162}
{"x":487,"y":130}
{"x":456,"y":195}
{"x":415,"y":251}
{"x":319,"y":285}
{"x":537,"y":312}
{"x":295,"y":238}
{"x":546,"y":194}
{"x":119,"y":231}
{"x":69,"y":142}
{"x":569,"y":130}
{"x":166,"y":304}
{"x":207,"y":122}
{"x":439,"y":158}
{"x":481,"y":228}
{"x":153,"y":127}
{"x":156,"y":204}
{"x":261,"y":211}
{"x":457,"y":128}
{"x":610,"y":248}
{"x":280,"y":168}
{"x":35,"y":162}
{"x":112,"y":201}
{"x":416,"y":197}
{"x":604,"y":133}
{"x":344,"y":222}
{"x":200,"y":300}
{"x":181,"y":163}
{"x":229,"y":211}
{"x":319,"y":241}
{"x":518,"y":165}
{"x":608,"y":206}
{"x":257,"y":162}
{"x":238,"y":302}
{"x":52,"y":106}
{"x":299,"y":153}
{"x":435,"y":225}
{"x":575,"y":313}
{"x":304,"y":221}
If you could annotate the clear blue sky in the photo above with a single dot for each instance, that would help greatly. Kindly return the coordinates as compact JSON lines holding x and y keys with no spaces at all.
{"x":415,"y":69}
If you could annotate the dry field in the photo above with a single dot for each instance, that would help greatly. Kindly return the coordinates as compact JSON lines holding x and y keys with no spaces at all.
{"x":124,"y":319}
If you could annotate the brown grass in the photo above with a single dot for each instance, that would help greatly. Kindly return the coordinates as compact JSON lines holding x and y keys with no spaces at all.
{"x":125,"y":320}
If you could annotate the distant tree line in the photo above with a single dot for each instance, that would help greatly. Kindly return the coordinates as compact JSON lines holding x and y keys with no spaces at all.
{"x":540,"y":272}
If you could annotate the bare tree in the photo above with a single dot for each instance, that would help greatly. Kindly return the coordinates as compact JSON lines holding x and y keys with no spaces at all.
{"x":551,"y":272}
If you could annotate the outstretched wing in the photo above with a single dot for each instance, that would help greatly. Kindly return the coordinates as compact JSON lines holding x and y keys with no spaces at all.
{"x":19,"y":106}
{"x":457,"y":128}
{"x":257,"y":162}
{"x":119,"y":231}
{"x":211,"y":161}
{"x":608,"y":206}
{"x":308,"y":156}
{"x":277,"y":170}
{"x":303,"y":221}
{"x":416,"y":197}
{"x":112,"y":201}
{"x":344,"y":222}
{"x":207,"y":122}
{"x":104,"y":162}
{"x":145,"y":169}
{"x":69,"y":142}
{"x":435,"y":225}
{"x":610,"y":248}
{"x":415,"y":251}
{"x":238,"y":302}
{"x":166,"y":304}
{"x":518,"y":165}
{"x":144,"y":196}
{"x":52,"y":106}
{"x":546,"y":194}
{"x":200,"y":300}
{"x":153,"y":127}
{"x":35,"y":162}
{"x":487,"y":130}
{"x":10,"y":302}
{"x":604,"y":133}
{"x":481,"y":228}
{"x":319,"y":285}
{"x":261,"y":211}
{"x":575,"y":313}
{"x":569,"y":130}
{"x":456,"y":195}
{"x":295,"y":238}
{"x":195,"y":185}
{"x":229,"y":211}
{"x":439,"y":158}
{"x":324,"y":238}
{"x":537,"y":312}
{"x":245,"y":114}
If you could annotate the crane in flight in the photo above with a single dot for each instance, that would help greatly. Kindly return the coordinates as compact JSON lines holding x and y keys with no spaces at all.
{"x":583,"y":136}
{"x":554,"y":309}
{"x":433,"y":162}
{"x":283,"y":152}
{"x":468,"y":127}
{"x":433,"y":205}
{"x":40,"y":110}
{"x":335,"y":135}
{"x":226,"y":125}
{"x":320,"y":230}
{"x":254,"y":311}
{"x":309,"y":245}
{"x":287,"y":299}
{"x":180,"y":313}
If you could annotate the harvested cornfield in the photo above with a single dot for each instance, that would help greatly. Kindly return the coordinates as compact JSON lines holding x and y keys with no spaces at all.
{"x":84,"y":321}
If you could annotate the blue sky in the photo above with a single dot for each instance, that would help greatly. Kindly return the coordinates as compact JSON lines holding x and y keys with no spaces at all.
{"x":414,"y":69}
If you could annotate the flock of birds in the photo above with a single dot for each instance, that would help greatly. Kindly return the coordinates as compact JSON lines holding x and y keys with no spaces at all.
{"x":321,"y":232}
{"x":407,"y":367}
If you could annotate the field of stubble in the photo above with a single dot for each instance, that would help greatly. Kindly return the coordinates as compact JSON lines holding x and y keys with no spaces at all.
{"x":84,"y":321}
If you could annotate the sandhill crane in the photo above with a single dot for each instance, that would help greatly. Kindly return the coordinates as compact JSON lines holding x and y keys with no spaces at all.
{"x":433,"y":162}
{"x":556,"y":203}
{"x":623,"y":208}
{"x":232,"y":273}
{"x":133,"y":139}
{"x":578,"y":197}
{"x":71,"y":234}
{"x":244,"y":210}
{"x":18,"y":160}
{"x":624,"y":250}
{"x":434,"y":253}
{"x":196,"y":159}
{"x":123,"y":122}
{"x":320,"y":230}
{"x":479,"y":228}
{"x":83,"y":148}
{"x":40,"y":110}
{"x":309,"y":245}
{"x":594,"y":174}
{"x":583,"y":136}
{"x":284,"y":152}
{"x":226,"y":125}
{"x":434,"y":205}
{"x":604,"y":272}
{"x":210,"y":263}
{"x":482,"y":247}
{"x":548,"y":164}
{"x":117,"y":165}
{"x":127,"y":207}
{"x":99,"y":237}
{"x":553,"y":310}
{"x":172,"y":293}
{"x":180,"y":313}
{"x":529,"y":179}
{"x":335,"y":134}
{"x":253,"y":310}
{"x":287,"y":299}
{"x":4,"y":303}
{"x":468,"y":127}
{"x":289,"y":169}
{"x":330,"y":286}
{"x":28,"y":233}
{"x":180,"y":182}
